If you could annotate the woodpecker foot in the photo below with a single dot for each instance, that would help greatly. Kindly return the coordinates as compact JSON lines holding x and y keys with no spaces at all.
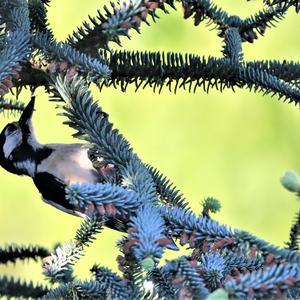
{"x":108,"y":172}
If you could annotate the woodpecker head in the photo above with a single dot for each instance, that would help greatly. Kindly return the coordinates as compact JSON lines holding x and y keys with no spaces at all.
{"x":18,"y":145}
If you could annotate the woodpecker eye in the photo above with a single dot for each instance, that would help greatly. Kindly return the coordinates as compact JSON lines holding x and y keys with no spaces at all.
{"x":12,"y":127}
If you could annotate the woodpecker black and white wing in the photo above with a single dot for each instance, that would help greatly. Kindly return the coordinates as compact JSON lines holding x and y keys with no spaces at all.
{"x":53,"y":192}
{"x":67,"y":164}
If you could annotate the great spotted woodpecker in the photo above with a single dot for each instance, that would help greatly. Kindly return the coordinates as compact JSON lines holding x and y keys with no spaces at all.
{"x":52,"y":166}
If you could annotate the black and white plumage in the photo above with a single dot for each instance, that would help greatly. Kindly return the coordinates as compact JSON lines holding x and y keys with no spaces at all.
{"x":51,"y":166}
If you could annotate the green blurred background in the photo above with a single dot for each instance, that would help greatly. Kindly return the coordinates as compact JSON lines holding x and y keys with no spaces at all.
{"x":233,"y":146}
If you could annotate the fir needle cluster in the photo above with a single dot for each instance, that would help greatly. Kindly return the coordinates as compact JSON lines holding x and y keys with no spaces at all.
{"x":223,"y":263}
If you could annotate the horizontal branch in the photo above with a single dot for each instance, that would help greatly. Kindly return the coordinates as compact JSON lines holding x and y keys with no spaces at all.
{"x":11,"y":253}
{"x":9,"y":287}
{"x":189,"y":71}
{"x":11,"y":105}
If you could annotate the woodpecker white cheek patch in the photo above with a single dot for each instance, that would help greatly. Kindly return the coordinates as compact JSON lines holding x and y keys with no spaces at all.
{"x":12,"y":142}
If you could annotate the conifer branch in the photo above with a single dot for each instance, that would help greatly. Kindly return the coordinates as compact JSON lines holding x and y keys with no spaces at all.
{"x":272,"y":281}
{"x":58,"y":266}
{"x":15,"y":15}
{"x":9,"y":287}
{"x":194,"y":230}
{"x":262,"y":81}
{"x":15,"y":45}
{"x":116,"y":22}
{"x":147,"y":230}
{"x":90,"y":290}
{"x":64,"y":291}
{"x":77,"y":290}
{"x":266,"y":248}
{"x":132,"y":271}
{"x":163,"y":284}
{"x":287,"y":71}
{"x":112,"y":285}
{"x":233,"y":46}
{"x":190,"y":71}
{"x":11,"y":253}
{"x":11,"y":105}
{"x":90,"y":67}
{"x":38,"y":16}
{"x":125,"y":202}
{"x":284,"y":3}
{"x":173,"y":70}
{"x":294,"y":241}
{"x":88,"y":229}
{"x":248,"y":28}
{"x":242,"y":262}
{"x":188,"y":281}
{"x":198,"y":229}
{"x":130,"y":196}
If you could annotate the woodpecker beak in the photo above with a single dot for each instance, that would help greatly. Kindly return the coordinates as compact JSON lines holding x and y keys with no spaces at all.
{"x":27,"y":113}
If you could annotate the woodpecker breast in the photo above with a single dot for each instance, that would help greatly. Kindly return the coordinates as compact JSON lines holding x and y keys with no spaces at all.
{"x":69,"y":163}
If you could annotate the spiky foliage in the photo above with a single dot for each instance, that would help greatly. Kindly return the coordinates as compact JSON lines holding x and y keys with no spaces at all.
{"x":272,"y":281}
{"x":155,"y":69}
{"x":213,"y":267}
{"x":242,"y":262}
{"x":11,"y":253}
{"x":148,"y":230}
{"x":38,"y":16}
{"x":77,"y":290}
{"x":190,"y":72}
{"x":11,"y":105}
{"x":88,"y":229}
{"x":163,"y":284}
{"x":132,"y":196}
{"x":9,"y":287}
{"x":116,"y":22}
{"x":113,"y":285}
{"x":248,"y":28}
{"x":186,"y":278}
{"x":15,"y":44}
{"x":294,"y":242}
{"x":284,"y":3}
{"x":57,"y":267}
{"x":91,"y":67}
{"x":123,"y":200}
{"x":210,"y":204}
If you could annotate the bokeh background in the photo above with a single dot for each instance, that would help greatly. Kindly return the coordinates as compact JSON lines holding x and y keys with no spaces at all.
{"x":233,"y":146}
